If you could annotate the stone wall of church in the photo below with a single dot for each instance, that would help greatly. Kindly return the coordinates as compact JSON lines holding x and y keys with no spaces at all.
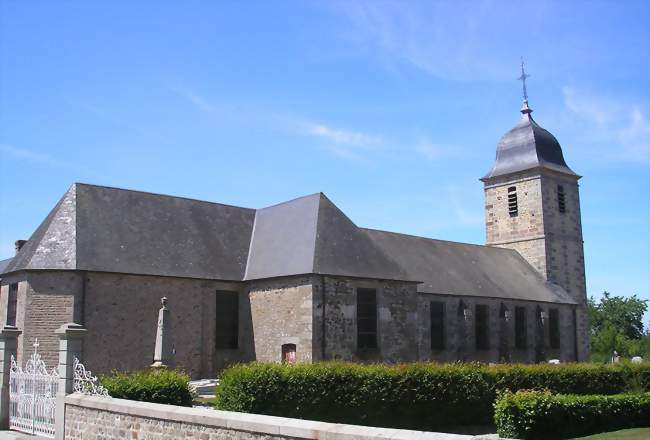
{"x":121,"y":313}
{"x":460,"y":333}
{"x":46,"y":300}
{"x":549,"y":240}
{"x":281,"y":311}
{"x":524,"y":232}
{"x":335,"y":302}
{"x":564,"y":247}
{"x":564,"y":236}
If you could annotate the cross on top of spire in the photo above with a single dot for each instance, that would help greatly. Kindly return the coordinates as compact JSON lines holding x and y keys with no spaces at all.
{"x":522,"y":78}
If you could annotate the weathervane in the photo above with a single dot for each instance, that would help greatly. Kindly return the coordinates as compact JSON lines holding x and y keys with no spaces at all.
{"x":522,"y":78}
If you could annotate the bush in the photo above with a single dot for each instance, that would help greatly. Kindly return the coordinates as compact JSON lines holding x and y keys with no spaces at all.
{"x":414,"y":396}
{"x":158,"y":386}
{"x":542,"y":415}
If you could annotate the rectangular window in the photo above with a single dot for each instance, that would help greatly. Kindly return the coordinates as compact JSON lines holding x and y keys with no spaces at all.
{"x":513,"y":208}
{"x":366,"y":318}
{"x":482,"y":331}
{"x":554,"y":327}
{"x":520,"y":328}
{"x":561,"y":200}
{"x":227,"y":320}
{"x":437,"y":325}
{"x":12,"y":304}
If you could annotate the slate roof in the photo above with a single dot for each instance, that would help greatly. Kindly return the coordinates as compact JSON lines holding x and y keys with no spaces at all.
{"x":4,"y":264}
{"x":105,"y":229}
{"x":116,"y":230}
{"x":528,"y":146}
{"x":311,"y":235}
{"x":446,"y":267}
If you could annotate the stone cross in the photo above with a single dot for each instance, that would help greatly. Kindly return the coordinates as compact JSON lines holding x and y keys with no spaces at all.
{"x":164,"y":352}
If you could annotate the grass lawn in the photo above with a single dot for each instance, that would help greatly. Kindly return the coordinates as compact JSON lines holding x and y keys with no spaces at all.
{"x":625,"y":434}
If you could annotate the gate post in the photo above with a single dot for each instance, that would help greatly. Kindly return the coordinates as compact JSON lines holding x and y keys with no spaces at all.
{"x":70,"y":346}
{"x":8,"y":347}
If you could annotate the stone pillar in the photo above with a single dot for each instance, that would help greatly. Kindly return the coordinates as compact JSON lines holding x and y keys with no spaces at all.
{"x":163,"y":356}
{"x":70,"y":347}
{"x":8,"y":347}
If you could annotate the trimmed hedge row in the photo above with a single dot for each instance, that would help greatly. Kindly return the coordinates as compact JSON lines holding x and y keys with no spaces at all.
{"x":534,"y":415}
{"x":158,"y":386}
{"x":415,"y":396}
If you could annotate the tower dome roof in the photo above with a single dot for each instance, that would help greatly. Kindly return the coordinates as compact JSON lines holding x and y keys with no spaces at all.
{"x":528,"y":146}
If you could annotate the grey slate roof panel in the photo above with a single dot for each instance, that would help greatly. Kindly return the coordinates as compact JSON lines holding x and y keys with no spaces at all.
{"x":343,"y":249}
{"x":528,"y":146}
{"x":283,"y":239}
{"x":311,"y":235}
{"x":135,"y":232}
{"x":465,"y":269}
{"x":52,"y":245}
{"x":4,"y":264}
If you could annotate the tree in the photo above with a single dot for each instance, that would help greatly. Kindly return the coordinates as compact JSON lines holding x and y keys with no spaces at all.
{"x":624,"y":314}
{"x":617,"y":324}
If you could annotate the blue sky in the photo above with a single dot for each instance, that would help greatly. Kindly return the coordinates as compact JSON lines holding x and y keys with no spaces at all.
{"x":392,"y":109}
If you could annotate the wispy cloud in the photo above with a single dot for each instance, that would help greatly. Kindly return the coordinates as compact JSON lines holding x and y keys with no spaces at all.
{"x":618,"y":124}
{"x":432,"y":151}
{"x":420,"y":35}
{"x":33,"y":156}
{"x":195,"y":99}
{"x":345,"y":137}
{"x":346,"y":144}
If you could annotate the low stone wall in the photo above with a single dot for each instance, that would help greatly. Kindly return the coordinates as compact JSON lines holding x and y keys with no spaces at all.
{"x":95,"y":418}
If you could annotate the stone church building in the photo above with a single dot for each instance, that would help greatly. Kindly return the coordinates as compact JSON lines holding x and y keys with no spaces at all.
{"x":301,"y":281}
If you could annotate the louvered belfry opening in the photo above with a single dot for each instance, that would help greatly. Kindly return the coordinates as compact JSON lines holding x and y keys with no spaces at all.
{"x":513,"y":209}
{"x":561,"y":199}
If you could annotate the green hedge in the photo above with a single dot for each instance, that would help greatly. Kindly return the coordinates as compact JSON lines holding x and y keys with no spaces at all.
{"x":157,"y":386}
{"x":542,"y":415}
{"x":415,"y":396}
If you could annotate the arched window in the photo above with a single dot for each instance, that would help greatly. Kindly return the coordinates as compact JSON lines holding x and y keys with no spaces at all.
{"x":513,"y":209}
{"x":561,"y":199}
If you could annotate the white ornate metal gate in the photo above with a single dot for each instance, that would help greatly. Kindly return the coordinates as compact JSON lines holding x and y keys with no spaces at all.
{"x":32,"y":396}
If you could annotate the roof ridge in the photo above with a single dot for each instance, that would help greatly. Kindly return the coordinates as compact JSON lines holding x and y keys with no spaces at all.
{"x":484,"y":246}
{"x":251,"y":242}
{"x":292,"y":200}
{"x":161,"y":195}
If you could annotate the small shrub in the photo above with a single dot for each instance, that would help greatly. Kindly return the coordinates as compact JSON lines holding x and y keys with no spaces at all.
{"x":155,"y":385}
{"x":531,"y":415}
{"x":420,"y":396}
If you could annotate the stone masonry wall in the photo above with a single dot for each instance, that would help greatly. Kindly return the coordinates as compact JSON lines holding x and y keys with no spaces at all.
{"x":97,"y":418}
{"x":564,"y":236}
{"x":281,"y":312}
{"x":397,"y":319}
{"x":565,"y":250}
{"x":46,"y":300}
{"x":95,"y":424}
{"x":121,"y":313}
{"x":460,"y":334}
{"x":525,"y":232}
{"x":549,"y":240}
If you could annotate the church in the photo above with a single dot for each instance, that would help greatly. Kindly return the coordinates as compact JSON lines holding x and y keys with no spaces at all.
{"x":301,"y":282}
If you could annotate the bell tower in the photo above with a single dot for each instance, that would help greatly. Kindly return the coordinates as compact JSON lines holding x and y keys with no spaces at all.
{"x":532,"y":205}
